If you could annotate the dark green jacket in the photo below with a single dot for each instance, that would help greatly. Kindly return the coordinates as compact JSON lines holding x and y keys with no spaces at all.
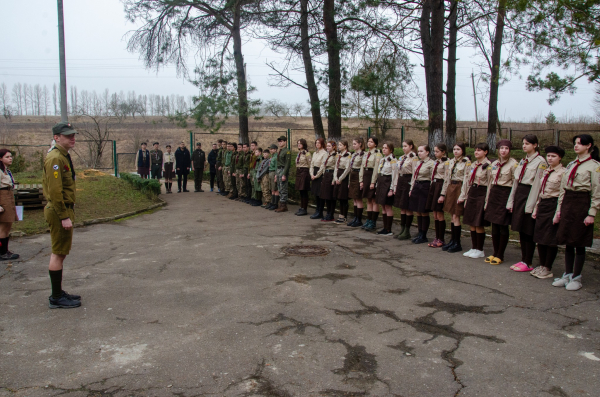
{"x":283,"y":160}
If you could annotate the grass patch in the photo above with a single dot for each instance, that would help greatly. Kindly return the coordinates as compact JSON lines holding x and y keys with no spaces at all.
{"x":98,"y":196}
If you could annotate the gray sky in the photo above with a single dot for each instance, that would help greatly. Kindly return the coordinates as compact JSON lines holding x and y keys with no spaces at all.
{"x":97,"y":59}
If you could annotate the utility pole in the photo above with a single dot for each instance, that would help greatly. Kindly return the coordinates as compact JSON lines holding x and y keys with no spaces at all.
{"x":63,"y":69}
{"x":475,"y":99}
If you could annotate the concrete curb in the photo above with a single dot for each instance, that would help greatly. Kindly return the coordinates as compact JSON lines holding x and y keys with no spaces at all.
{"x":162,"y":203}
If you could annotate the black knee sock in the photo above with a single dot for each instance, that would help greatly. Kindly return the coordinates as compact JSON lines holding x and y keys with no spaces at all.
{"x":543,"y":254}
{"x":437,"y":228}
{"x":390,"y":223}
{"x":56,"y":282}
{"x":419,"y":223}
{"x":409,"y":221}
{"x":551,"y":257}
{"x":426,"y":221}
{"x":375,"y":216}
{"x":495,"y":238}
{"x":579,"y":261}
{"x":456,"y":234}
{"x":359,"y":212}
{"x":384,"y":216}
{"x":529,"y":250}
{"x":355,"y":212}
{"x":503,"y":242}
{"x":329,"y":204}
{"x":480,"y":241}
{"x":569,"y":259}
{"x":403,"y":219}
{"x":167,"y":186}
{"x":473,"y":239}
{"x":3,"y":245}
{"x":442,"y":230}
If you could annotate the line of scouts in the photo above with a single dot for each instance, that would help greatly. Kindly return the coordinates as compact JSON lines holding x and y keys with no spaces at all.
{"x":548,"y":204}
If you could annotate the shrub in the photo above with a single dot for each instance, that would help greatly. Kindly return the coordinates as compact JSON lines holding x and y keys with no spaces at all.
{"x":149,"y":186}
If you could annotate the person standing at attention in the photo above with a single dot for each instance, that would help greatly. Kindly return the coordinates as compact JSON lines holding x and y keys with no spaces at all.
{"x":198,"y":162}
{"x":212,"y":162}
{"x":169,"y":168}
{"x":8,"y":211}
{"x":182,"y":163}
{"x":283,"y":169}
{"x":143,"y":161}
{"x":156,"y":158}
{"x":59,"y":189}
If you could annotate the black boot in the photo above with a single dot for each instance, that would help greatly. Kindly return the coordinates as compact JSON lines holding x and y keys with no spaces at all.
{"x":276,"y":205}
{"x":451,"y":242}
{"x":353,"y":220}
{"x":359,"y":212}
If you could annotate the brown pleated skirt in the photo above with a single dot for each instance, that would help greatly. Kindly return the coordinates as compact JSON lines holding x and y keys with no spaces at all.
{"x":451,"y":205}
{"x":340,"y":192}
{"x":496,"y":211}
{"x":418,"y":198}
{"x":302,"y":179}
{"x":573,"y":211}
{"x":315,"y":185}
{"x":522,"y":222}
{"x":326,"y":186}
{"x":169,"y":172}
{"x":546,"y":233}
{"x":384,"y":182}
{"x":354,"y":191}
{"x":7,"y":201}
{"x":433,"y":196}
{"x":367,"y":192}
{"x":402,"y":189}
{"x":474,"y":207}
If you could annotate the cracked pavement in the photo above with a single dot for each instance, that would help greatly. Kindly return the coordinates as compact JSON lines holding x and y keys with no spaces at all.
{"x":199,"y":299}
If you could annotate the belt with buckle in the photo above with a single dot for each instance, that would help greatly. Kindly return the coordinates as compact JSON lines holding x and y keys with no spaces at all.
{"x":455,"y":182}
{"x":417,"y":182}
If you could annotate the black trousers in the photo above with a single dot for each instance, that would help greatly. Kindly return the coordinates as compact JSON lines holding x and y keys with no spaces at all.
{"x":213,"y":175}
{"x":179,"y":178}
{"x":198,"y":173}
{"x":156,"y":171}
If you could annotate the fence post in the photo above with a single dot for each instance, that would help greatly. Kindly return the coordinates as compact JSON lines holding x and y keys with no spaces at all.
{"x":402,"y":134}
{"x":289,"y":139}
{"x":368,"y":133}
{"x":115,"y":160}
{"x":510,"y":134}
{"x":557,"y":138}
{"x":470,"y":136}
{"x":191,"y":141}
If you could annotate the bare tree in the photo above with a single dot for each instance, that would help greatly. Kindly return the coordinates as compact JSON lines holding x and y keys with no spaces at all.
{"x":5,"y":102}
{"x":17,"y":97}
{"x":96,"y":129}
{"x":597,"y":102}
{"x":276,"y":108}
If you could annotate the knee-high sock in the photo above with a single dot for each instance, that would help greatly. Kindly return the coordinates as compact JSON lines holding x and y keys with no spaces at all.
{"x":495,"y":238}
{"x":437,"y":228}
{"x":384,"y":216}
{"x":426,"y":221}
{"x":551,"y":257}
{"x":419,"y":223}
{"x":390,"y":223}
{"x":359,"y":212}
{"x":542,"y":253}
{"x":579,"y":261}
{"x":503,"y":242}
{"x":473,"y":239}
{"x":403,"y":220}
{"x":409,"y":221}
{"x":457,"y":232}
{"x":480,"y":241}
{"x":56,"y":282}
{"x":375,"y":216}
{"x":442,"y":230}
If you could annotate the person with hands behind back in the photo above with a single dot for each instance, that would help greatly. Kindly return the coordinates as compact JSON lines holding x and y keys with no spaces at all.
{"x":578,"y":204}
{"x":8,"y":210}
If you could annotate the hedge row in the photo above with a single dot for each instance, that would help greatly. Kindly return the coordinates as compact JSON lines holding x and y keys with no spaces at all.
{"x":149,"y":186}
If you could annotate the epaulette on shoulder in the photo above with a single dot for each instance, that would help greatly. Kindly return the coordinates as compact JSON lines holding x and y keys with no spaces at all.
{"x":483,"y":167}
{"x":411,"y":154}
{"x":444,"y":158}
{"x":347,"y":154}
{"x":465,"y":160}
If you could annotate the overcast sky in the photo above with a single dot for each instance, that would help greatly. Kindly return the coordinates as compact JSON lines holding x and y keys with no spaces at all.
{"x":97,"y":59}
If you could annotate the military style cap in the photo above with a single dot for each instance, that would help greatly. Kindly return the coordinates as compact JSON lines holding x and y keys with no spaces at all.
{"x":273,"y":146}
{"x":198,"y":144}
{"x":555,"y":149}
{"x":63,"y":128}
{"x":282,"y":138}
{"x":504,"y":142}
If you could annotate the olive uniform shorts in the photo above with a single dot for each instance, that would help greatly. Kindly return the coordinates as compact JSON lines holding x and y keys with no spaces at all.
{"x":61,"y":238}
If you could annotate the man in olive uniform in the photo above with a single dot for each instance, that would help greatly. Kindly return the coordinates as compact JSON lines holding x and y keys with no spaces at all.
{"x":227,"y":160}
{"x":198,"y":162}
{"x":221,"y":146}
{"x":241,"y":171}
{"x":283,"y":169}
{"x":59,"y":189}
{"x":156,"y":158}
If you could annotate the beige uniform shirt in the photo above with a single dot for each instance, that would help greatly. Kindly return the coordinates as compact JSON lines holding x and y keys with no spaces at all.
{"x":357,"y":159}
{"x":389,"y":166}
{"x":406,"y":164}
{"x":482,"y":177}
{"x":506,"y":175}
{"x":5,"y":179}
{"x":169,"y":158}
{"x":455,"y":171}
{"x":371,"y":159}
{"x":317,"y":161}
{"x":533,"y":170}
{"x":442,"y":166}
{"x":303,"y":159}
{"x":424,"y":172}
{"x":328,"y":163}
{"x":587,"y":179}
{"x":342,"y":162}
{"x":552,"y":187}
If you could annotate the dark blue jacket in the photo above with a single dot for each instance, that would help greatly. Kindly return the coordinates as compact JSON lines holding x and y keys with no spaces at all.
{"x":212,"y":160}
{"x":141,"y":162}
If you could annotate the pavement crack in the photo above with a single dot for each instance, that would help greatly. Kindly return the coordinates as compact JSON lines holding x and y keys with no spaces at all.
{"x":258,"y":384}
{"x":333,"y":277}
{"x":298,"y":327}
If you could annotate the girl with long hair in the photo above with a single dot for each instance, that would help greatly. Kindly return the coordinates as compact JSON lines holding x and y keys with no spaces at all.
{"x":354,"y":190}
{"x":327,"y":185}
{"x":419,"y":190}
{"x":405,"y":167}
{"x":386,"y":186}
{"x":302,"y":184}
{"x":578,"y":203}
{"x":316,"y":176}
{"x":367,"y":178}
{"x":340,"y":180}
{"x":434,"y":201}
{"x":8,"y":210}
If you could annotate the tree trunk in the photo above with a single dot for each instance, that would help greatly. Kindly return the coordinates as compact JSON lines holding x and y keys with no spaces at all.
{"x":334,"y":108}
{"x":242,"y":86}
{"x":495,"y":76}
{"x":313,"y":90}
{"x":432,"y":40}
{"x":451,"y":79}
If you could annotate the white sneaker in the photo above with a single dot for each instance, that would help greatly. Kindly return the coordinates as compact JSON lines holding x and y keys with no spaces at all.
{"x":574,"y":284}
{"x":562,"y":281}
{"x":469,"y":252}
{"x":477,"y":254}
{"x":536,"y":270}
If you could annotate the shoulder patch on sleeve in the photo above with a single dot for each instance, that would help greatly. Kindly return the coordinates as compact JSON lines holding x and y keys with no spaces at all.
{"x":415,"y":159}
{"x":598,"y":169}
{"x":516,"y":165}
{"x":55,"y":167}
{"x":447,"y":163}
{"x":543,"y":166}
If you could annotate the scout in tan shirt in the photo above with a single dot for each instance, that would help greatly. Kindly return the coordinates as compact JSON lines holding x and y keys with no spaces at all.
{"x":367,"y":179}
{"x":419,"y":190}
{"x":354,"y":190}
{"x":303,"y":178}
{"x":435,"y":202}
{"x":316,"y":176}
{"x":340,"y":180}
{"x":402,"y":194}
{"x":578,"y":203}
{"x":545,"y":232}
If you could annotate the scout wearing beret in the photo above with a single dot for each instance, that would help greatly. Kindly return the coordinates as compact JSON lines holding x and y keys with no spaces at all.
{"x":283,"y":169}
{"x":419,"y":190}
{"x":501,"y":180}
{"x":156,"y":158}
{"x":522,"y":199}
{"x":143,"y":161}
{"x":367,"y":178}
{"x":578,"y":204}
{"x":59,"y":190}
{"x":405,"y":170}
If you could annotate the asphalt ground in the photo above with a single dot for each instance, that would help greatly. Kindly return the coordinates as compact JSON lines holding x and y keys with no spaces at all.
{"x":201,"y":299}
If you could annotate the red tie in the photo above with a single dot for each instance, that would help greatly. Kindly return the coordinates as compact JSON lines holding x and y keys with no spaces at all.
{"x":546,"y":180}
{"x":574,"y":171}
{"x":434,"y":171}
{"x":498,"y":174}
{"x":418,"y":169}
{"x":525,"y":162}
{"x":474,"y":173}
